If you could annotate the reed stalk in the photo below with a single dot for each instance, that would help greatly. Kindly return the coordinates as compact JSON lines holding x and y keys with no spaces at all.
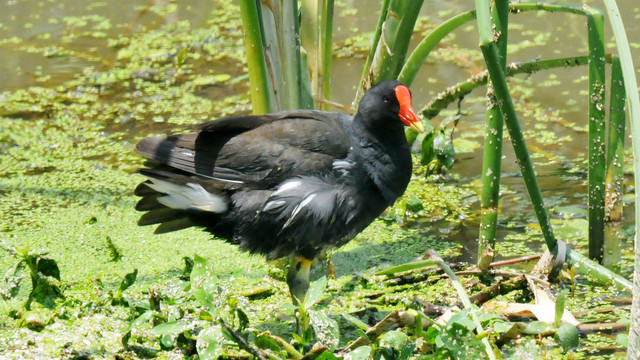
{"x":631,"y":87}
{"x":615,"y":144}
{"x":492,"y":150}
{"x":498,"y":78}
{"x":262,"y":99}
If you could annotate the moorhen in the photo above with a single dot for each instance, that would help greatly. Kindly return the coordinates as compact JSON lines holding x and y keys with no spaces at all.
{"x":293,"y":182}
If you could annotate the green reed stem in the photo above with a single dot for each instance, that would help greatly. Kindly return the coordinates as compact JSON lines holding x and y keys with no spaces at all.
{"x":461,"y":89}
{"x":492,"y":150}
{"x":597,"y":135}
{"x":393,"y":43}
{"x":498,"y":78}
{"x":615,"y":144}
{"x":262,"y":99}
{"x":631,"y":88}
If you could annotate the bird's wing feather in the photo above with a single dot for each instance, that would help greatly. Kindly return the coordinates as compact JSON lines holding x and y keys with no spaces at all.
{"x":259,"y":151}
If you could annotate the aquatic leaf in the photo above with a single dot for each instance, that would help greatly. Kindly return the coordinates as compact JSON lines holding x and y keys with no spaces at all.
{"x":394,"y":339}
{"x":243,"y":319}
{"x":128,"y":280}
{"x":170,"y":328}
{"x":142,"y":319}
{"x":203,"y":282}
{"x":407,"y":351}
{"x":414,"y":204}
{"x":568,"y":336}
{"x":536,"y":328}
{"x":326,"y":329}
{"x":316,"y":290}
{"x":326,"y":355}
{"x":113,"y":250}
{"x":428,"y":152}
{"x":209,"y":343}
{"x":181,"y":56}
{"x":622,"y":340}
{"x":264,"y":341}
{"x":354,"y":320}
{"x":560,"y":300}
{"x":188,"y":266}
{"x":11,"y":281}
{"x":45,"y":292}
{"x":443,"y":147}
{"x":359,"y":353}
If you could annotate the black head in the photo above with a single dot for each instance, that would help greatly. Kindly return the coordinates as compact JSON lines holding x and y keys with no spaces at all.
{"x":387,"y":106}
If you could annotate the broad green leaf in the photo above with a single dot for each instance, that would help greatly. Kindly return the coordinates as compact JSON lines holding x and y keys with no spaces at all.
{"x":316,"y":290}
{"x":394,"y":339}
{"x":128,"y":280}
{"x":12,"y":280}
{"x":428,"y":153}
{"x":209,"y":343}
{"x":462,"y":318}
{"x":407,"y":351}
{"x":568,"y":337}
{"x":203,"y":281}
{"x":243,"y":319}
{"x":354,"y":320}
{"x":560,"y":300}
{"x":414,"y":204}
{"x":622,"y":340}
{"x":326,"y":329}
{"x":326,"y":355}
{"x":265,"y":341}
{"x":170,"y":328}
{"x":142,"y":319}
{"x":501,"y":326}
{"x":359,"y":353}
{"x":443,"y":147}
{"x":536,"y":328}
{"x":45,"y":292}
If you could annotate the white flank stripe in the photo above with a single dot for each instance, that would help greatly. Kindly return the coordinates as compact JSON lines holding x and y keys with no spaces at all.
{"x":287,"y":186}
{"x":299,"y":207}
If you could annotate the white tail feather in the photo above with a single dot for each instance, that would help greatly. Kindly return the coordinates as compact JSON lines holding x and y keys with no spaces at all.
{"x":189,"y":196}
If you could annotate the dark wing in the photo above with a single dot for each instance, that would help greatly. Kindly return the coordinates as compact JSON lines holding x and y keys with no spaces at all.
{"x":255,"y":151}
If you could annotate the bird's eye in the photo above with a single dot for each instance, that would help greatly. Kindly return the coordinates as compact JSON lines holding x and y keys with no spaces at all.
{"x":386,"y":100}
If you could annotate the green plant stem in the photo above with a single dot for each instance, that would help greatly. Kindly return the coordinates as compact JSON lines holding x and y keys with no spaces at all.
{"x":596,"y":271}
{"x":461,"y":89}
{"x":261,"y":90}
{"x":326,"y":37}
{"x":365,"y":83}
{"x":498,"y":78}
{"x":631,"y":87}
{"x":492,"y":150}
{"x":393,"y":43}
{"x":615,"y":144}
{"x":317,"y":27}
{"x":597,"y":135}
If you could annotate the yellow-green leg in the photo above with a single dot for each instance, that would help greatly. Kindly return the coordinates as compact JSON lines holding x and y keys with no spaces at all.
{"x":298,"y":278}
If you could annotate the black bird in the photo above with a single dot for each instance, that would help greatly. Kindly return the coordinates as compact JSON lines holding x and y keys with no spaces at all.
{"x":293,"y":182}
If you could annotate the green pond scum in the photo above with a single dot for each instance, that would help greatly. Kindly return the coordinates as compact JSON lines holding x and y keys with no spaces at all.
{"x":80,"y":280}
